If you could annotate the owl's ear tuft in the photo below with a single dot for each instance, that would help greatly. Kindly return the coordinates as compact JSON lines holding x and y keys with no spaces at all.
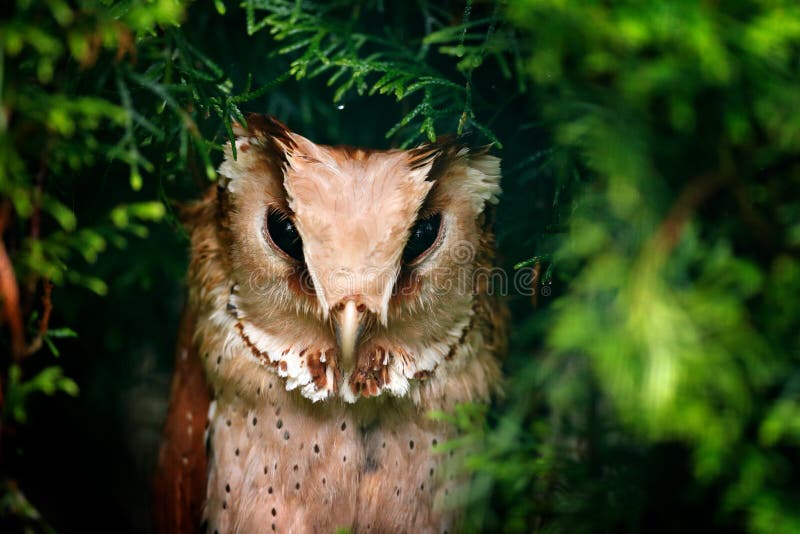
{"x":439,"y":155}
{"x":265,"y":127}
{"x":265,"y":132}
{"x":478,"y":172}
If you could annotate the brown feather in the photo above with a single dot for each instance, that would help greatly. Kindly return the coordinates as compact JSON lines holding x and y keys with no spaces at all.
{"x":180,"y":479}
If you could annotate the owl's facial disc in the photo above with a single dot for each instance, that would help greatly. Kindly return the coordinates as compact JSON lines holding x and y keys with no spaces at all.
{"x":354,"y":211}
{"x":350,"y":284}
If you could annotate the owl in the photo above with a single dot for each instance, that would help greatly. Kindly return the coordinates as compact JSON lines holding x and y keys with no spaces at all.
{"x":337,"y":296}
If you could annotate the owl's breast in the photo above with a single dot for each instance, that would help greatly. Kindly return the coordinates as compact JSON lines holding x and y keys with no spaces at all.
{"x":291,"y":466}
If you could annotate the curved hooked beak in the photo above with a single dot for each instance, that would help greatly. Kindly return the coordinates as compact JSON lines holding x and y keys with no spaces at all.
{"x":348,"y":323}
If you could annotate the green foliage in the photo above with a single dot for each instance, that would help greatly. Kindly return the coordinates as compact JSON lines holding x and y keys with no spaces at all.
{"x":14,"y":503}
{"x":672,"y":298}
{"x":652,"y":173}
{"x":48,"y":381}
{"x":332,"y":40}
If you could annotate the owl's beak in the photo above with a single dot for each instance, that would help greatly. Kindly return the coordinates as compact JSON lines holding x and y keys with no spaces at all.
{"x":348,"y":323}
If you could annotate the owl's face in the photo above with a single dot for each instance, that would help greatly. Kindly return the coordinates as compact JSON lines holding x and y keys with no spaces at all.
{"x":352,"y":271}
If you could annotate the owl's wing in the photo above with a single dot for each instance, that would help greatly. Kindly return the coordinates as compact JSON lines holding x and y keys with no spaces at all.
{"x":180,"y":479}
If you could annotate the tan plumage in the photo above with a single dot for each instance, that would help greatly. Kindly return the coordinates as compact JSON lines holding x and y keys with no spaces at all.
{"x":305,"y":435}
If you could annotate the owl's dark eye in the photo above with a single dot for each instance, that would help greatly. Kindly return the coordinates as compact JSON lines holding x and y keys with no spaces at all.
{"x":423,"y":236}
{"x":282,"y":234}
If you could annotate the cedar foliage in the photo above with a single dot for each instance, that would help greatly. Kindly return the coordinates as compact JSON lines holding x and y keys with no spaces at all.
{"x":651,"y":173}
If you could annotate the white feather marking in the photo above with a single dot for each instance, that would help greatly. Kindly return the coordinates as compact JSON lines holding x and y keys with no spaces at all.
{"x":294,"y":367}
{"x":212,"y":412}
{"x":346,"y":392}
{"x":483,"y":179}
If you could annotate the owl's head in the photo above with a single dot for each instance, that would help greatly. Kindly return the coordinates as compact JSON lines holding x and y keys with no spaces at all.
{"x":352,"y":271}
